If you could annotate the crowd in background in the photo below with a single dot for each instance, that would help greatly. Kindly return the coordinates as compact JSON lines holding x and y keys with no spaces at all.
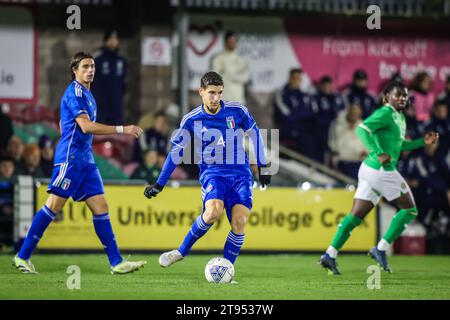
{"x":319,"y":123}
{"x":322,"y":126}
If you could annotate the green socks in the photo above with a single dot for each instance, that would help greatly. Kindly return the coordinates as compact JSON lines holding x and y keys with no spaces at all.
{"x":398,"y":224}
{"x":347,"y":224}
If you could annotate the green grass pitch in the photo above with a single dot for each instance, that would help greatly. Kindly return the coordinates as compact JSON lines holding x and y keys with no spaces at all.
{"x":284,"y":277}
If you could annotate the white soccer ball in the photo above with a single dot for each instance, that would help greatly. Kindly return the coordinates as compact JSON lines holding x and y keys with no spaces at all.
{"x":219,"y":270}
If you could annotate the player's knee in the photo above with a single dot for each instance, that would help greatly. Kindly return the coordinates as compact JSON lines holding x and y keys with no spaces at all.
{"x":54,"y":207}
{"x":238,"y":223}
{"x":55,"y":204}
{"x":211,"y":215}
{"x":100,"y":209}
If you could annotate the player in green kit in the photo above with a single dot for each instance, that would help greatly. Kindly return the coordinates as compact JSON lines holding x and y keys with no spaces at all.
{"x":383,"y":134}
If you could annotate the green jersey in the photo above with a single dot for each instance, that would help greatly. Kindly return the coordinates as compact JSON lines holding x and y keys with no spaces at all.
{"x":384,"y":132}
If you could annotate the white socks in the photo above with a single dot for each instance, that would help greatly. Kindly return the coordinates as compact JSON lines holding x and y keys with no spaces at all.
{"x":332,"y":252}
{"x":383,"y":245}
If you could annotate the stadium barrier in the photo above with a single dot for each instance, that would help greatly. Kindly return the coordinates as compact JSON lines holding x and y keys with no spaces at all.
{"x":282,"y":219}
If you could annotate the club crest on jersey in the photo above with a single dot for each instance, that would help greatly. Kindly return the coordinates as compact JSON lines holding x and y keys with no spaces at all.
{"x":209,"y":188}
{"x":65,"y":184}
{"x":230,"y":122}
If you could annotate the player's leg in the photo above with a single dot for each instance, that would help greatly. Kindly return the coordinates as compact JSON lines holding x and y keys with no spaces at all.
{"x":213,"y":211}
{"x":238,"y":204}
{"x":353,"y":219}
{"x":360,"y":209}
{"x":236,"y":236}
{"x":103,"y":228}
{"x":364,"y":201}
{"x":213,"y":195}
{"x":91,"y":190}
{"x":406,"y":214}
{"x":213,"y":208}
{"x":41,"y":221}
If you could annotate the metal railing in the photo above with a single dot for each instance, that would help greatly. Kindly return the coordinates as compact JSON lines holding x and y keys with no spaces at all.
{"x":314,"y":165}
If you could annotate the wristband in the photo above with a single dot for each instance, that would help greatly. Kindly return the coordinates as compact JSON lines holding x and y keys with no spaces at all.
{"x":119,"y":129}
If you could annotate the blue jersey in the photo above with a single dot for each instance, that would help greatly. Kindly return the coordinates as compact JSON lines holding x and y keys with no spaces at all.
{"x":75,"y":145}
{"x":218,"y":142}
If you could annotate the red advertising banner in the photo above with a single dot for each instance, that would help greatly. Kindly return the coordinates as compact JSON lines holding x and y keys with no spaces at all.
{"x":339,"y":57}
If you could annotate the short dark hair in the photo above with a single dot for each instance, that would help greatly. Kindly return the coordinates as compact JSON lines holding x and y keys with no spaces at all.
{"x":110,"y":33}
{"x":295,"y":70}
{"x":439,"y":102}
{"x":325,"y":79}
{"x":76,"y":59}
{"x":211,"y":78}
{"x":359,"y":74}
{"x":394,"y":84}
{"x":229,"y":34}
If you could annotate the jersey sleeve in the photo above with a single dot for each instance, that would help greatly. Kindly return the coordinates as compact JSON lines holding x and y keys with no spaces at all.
{"x":249,"y":125}
{"x":409,"y":145}
{"x":369,"y":127}
{"x":179,"y":140}
{"x":76,"y":105}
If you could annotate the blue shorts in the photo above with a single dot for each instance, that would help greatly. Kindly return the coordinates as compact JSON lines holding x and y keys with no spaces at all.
{"x":79,"y":181}
{"x":231,"y":190}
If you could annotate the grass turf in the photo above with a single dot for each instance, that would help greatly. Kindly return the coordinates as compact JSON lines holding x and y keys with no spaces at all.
{"x":284,"y":277}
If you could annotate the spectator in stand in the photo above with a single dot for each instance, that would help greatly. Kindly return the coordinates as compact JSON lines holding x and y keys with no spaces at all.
{"x":6,"y":201}
{"x":32,"y":162}
{"x":414,"y":128}
{"x":148,"y":170}
{"x":15,"y":151}
{"x":294,"y":116}
{"x":431,"y":188}
{"x":357,"y":93}
{"x":47,"y":152}
{"x":178,"y":174}
{"x":445,"y":95}
{"x":6,"y":168}
{"x":439,"y":123}
{"x":346,"y":148}
{"x":233,"y":68}
{"x":108,"y":87}
{"x":6,"y":131}
{"x":327,"y":104}
{"x":422,"y":96}
{"x":154,"y":138}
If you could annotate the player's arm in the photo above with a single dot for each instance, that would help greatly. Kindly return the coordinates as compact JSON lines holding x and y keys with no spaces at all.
{"x":252,"y":130}
{"x":367,"y":130}
{"x":89,"y":127}
{"x":180,"y":140}
{"x":429,"y":138}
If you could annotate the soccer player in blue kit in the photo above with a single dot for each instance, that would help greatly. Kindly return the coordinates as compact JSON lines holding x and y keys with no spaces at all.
{"x":75,"y":173}
{"x":217,"y":128}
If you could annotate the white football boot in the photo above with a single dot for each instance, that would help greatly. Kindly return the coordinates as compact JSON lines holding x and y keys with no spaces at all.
{"x":170,"y":257}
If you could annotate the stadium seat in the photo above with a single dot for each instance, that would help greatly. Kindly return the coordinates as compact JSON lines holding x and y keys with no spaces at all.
{"x":129,"y":168}
{"x":105,"y":149}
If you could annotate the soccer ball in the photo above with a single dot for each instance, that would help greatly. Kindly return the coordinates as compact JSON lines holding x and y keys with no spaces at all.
{"x":219,"y":270}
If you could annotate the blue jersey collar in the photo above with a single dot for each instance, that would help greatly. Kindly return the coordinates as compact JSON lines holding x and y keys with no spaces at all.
{"x":222,"y":106}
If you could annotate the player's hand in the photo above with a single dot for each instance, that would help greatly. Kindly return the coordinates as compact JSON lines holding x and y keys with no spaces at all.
{"x":153,"y":190}
{"x":384,"y":158}
{"x":431,"y":137}
{"x":133,"y":130}
{"x":264,"y":176}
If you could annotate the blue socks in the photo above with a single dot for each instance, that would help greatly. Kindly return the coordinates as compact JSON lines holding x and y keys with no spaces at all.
{"x":40,"y":222}
{"x":233,"y":246}
{"x":104,"y":231}
{"x":198,"y":230}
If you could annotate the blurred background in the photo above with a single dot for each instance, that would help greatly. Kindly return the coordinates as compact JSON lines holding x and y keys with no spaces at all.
{"x":312,"y":69}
